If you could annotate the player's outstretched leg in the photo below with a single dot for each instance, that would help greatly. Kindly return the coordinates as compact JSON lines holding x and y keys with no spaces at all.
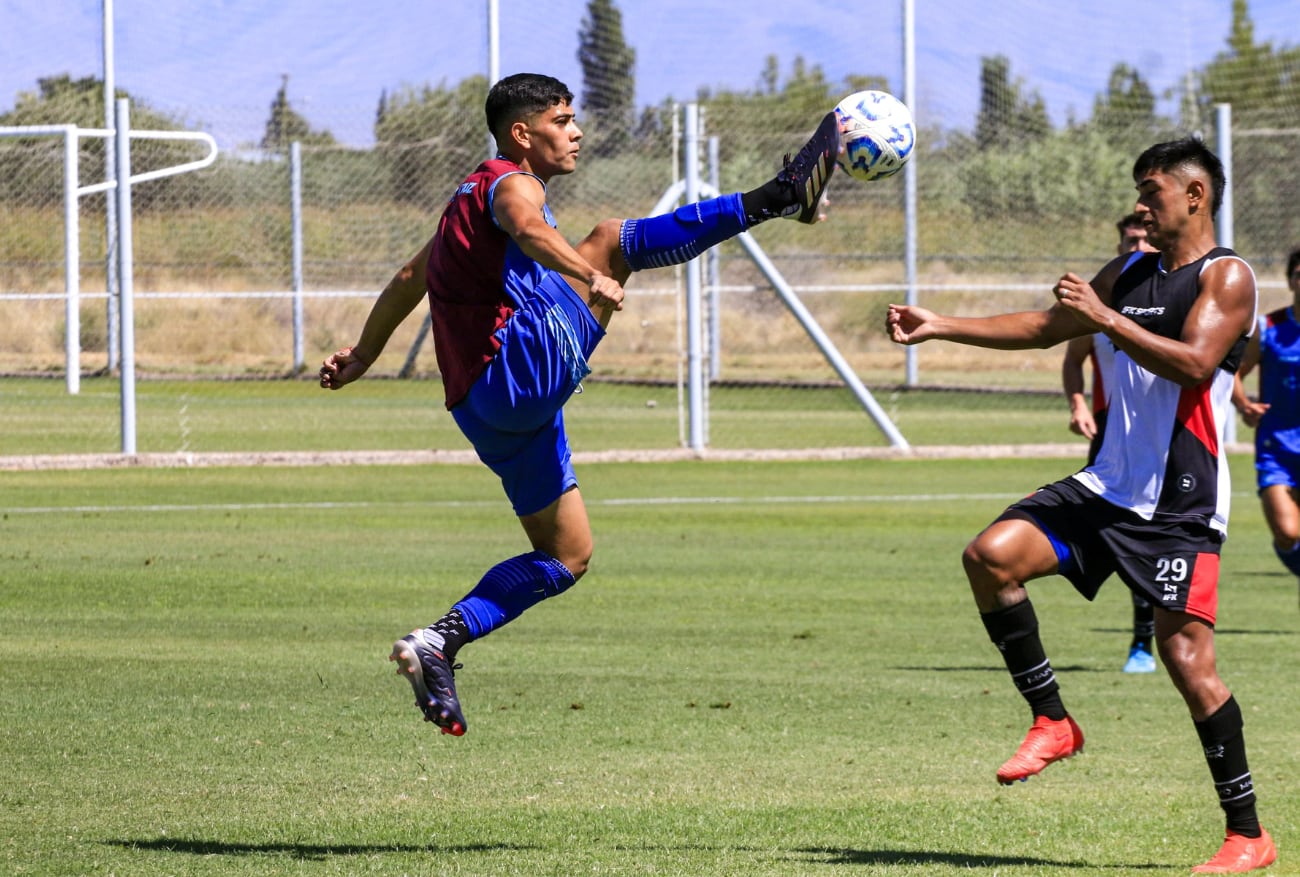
{"x":1240,"y":854}
{"x":677,"y":237}
{"x":1046,"y":742}
{"x":432,"y":678}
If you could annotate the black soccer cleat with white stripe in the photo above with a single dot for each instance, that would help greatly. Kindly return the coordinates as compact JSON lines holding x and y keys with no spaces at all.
{"x":808,"y":172}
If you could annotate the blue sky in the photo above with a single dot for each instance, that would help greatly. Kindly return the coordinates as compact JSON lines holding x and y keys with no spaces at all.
{"x":217,"y":63}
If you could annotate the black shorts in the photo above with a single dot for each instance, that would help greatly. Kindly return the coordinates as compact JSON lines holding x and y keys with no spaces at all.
{"x":1173,"y":564}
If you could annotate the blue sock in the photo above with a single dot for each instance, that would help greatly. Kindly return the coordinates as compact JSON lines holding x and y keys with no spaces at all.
{"x":677,"y":237}
{"x":1290,"y":559}
{"x":509,"y":588}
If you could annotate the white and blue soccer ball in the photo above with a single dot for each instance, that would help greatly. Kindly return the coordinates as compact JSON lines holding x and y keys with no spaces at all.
{"x":877,"y":132}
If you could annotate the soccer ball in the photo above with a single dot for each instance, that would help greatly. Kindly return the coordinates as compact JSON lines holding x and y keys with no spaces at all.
{"x":877,"y":132}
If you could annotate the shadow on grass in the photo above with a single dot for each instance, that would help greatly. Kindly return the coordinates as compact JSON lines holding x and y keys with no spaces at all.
{"x":302,"y":851}
{"x":1218,"y":631}
{"x":827,"y":856}
{"x":815,"y":855}
{"x":990,"y":668}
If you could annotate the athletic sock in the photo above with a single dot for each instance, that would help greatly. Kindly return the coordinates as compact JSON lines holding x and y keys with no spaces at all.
{"x":1290,"y":558}
{"x":677,"y":237}
{"x":509,"y":588}
{"x":1014,"y":630}
{"x":1144,"y":624}
{"x":448,"y":634}
{"x":1225,"y":752}
{"x":770,"y":200}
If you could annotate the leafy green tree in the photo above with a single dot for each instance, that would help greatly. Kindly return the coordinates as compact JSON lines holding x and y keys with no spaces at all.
{"x":1262,"y":83}
{"x":1006,"y":116}
{"x":31,"y":170}
{"x":285,"y":125}
{"x":608,"y":80}
{"x":428,"y":137}
{"x":1128,"y":103}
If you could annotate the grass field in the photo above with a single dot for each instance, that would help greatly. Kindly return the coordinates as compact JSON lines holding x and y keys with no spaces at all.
{"x":772,"y":669}
{"x":295,"y":415}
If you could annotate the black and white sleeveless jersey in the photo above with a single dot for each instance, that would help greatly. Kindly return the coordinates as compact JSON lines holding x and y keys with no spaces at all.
{"x":1163,"y":454}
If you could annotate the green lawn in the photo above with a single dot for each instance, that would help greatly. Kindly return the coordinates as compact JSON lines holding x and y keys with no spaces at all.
{"x":295,"y":415}
{"x":772,"y":669}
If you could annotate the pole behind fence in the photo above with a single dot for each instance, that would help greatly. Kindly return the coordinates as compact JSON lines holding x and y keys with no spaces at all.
{"x":125,"y":275}
{"x":295,"y":210}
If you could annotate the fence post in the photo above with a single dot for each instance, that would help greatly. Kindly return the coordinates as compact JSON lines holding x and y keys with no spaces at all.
{"x":715,"y":277}
{"x":295,"y":212}
{"x":1223,"y":229}
{"x":125,"y":274}
{"x":71,"y":262}
{"x":699,"y":437}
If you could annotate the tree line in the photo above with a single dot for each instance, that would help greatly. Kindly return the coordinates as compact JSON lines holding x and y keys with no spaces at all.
{"x":426,"y":136}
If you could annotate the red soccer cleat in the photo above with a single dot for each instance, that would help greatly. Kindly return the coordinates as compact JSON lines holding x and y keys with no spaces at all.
{"x":1047,"y":741}
{"x":1240,"y":854}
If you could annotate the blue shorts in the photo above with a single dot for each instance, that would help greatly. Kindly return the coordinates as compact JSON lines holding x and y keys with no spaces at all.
{"x":513,"y":415}
{"x":1274,"y":464}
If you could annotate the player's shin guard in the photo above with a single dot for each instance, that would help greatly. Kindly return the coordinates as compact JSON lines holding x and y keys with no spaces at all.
{"x":1225,"y":752}
{"x":511,"y":587}
{"x":677,"y":237}
{"x":1014,"y":630}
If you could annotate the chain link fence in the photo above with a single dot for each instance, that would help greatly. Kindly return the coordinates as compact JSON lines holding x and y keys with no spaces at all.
{"x":214,"y":270}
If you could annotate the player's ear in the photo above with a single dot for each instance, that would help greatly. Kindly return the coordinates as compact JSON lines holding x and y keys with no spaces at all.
{"x":521,"y":133}
{"x":1197,"y":194}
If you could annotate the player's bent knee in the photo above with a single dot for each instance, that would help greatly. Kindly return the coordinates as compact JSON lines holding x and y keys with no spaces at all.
{"x":978,"y":560}
{"x":602,"y":249}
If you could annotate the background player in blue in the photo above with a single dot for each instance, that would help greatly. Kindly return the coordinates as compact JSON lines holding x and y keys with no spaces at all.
{"x":1153,"y":508}
{"x":1275,"y":348}
{"x":1088,"y":419}
{"x":516,"y":313}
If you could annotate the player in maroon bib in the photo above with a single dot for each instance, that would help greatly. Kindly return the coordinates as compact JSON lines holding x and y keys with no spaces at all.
{"x":517,"y":312}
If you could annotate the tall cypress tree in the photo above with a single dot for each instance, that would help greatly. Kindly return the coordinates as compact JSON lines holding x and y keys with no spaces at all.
{"x":608,"y":82}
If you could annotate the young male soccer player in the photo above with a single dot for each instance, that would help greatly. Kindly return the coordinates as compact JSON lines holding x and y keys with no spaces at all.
{"x":1088,"y":419}
{"x":1275,"y":348}
{"x":517,"y":311}
{"x":1153,"y":507}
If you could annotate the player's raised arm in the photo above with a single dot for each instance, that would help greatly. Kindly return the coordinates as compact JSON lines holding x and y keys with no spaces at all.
{"x":1222,"y":314}
{"x":517,"y":206}
{"x":907,"y":324}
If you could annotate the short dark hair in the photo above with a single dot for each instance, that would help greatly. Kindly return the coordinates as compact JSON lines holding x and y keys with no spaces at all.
{"x":520,"y":95}
{"x":1165,"y":157}
{"x":1292,"y":262}
{"x":1130,"y":221}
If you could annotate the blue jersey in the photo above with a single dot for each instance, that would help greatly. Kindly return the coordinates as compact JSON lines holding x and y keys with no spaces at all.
{"x":1279,"y":381}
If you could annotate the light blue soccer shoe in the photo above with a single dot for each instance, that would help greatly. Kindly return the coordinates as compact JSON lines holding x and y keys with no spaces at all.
{"x":1140,"y":661}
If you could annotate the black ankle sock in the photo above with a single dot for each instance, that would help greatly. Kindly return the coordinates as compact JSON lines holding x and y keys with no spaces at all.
{"x":1014,"y":630}
{"x":768,"y":201}
{"x":454,"y":632}
{"x":1225,"y":752}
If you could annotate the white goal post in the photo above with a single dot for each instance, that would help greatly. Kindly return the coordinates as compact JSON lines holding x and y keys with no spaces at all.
{"x":73,"y":191}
